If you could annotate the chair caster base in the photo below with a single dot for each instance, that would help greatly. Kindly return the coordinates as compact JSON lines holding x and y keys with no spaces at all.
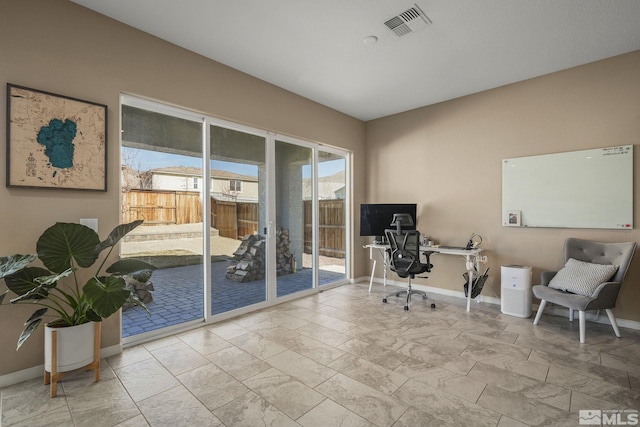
{"x":384,"y":300}
{"x":406,"y":308}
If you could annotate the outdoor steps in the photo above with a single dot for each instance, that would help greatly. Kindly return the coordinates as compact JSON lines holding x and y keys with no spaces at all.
{"x":166,"y":232}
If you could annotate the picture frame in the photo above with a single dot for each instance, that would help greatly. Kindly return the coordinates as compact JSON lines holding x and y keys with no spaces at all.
{"x":55,"y":141}
{"x":514,"y":219}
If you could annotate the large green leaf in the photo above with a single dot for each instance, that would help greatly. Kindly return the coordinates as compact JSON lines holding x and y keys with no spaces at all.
{"x":13,"y":263}
{"x":106,"y":294}
{"x":116,"y":234}
{"x":28,"y":330}
{"x":33,"y":295}
{"x":36,"y":315}
{"x":64,"y":242}
{"x":53,"y":278}
{"x":92,"y":316}
{"x":130,"y":266}
{"x":24,"y":281}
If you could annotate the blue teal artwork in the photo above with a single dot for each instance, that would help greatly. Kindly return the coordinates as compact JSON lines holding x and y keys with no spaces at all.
{"x":58,"y":141}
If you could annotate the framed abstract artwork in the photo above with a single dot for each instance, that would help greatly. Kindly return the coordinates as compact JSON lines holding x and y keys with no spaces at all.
{"x":55,"y":141}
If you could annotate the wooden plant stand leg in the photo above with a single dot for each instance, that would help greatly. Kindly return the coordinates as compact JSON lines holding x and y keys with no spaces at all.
{"x":95,"y":365}
{"x":54,"y":376}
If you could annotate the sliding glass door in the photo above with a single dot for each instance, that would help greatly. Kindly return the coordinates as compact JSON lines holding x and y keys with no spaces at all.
{"x":238,"y":214}
{"x":234,"y":217}
{"x":294,"y":263}
{"x":332,"y":217}
{"x":161,"y":176}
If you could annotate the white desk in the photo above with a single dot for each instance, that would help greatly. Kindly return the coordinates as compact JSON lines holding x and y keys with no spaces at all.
{"x":472,"y":259}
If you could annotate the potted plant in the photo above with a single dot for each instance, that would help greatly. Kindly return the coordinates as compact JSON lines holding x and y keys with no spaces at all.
{"x":64,"y":250}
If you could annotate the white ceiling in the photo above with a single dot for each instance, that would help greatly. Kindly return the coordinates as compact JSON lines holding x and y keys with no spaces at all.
{"x":315,"y":47}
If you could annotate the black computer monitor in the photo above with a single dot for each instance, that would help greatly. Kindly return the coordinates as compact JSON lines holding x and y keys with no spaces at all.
{"x":377,"y":217}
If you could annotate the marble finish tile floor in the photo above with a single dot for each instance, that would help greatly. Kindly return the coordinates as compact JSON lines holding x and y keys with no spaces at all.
{"x":343,"y":358}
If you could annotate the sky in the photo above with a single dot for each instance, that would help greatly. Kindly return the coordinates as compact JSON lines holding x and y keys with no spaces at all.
{"x":145,"y":160}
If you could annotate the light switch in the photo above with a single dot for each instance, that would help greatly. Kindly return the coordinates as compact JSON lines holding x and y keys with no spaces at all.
{"x":92,"y":223}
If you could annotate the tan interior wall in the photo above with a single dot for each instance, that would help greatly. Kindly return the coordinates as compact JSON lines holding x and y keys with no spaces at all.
{"x":447,"y":158}
{"x":451,"y":151}
{"x":60,"y":47}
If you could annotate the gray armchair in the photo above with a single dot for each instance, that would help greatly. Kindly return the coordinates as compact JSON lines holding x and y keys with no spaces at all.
{"x":605,"y":294}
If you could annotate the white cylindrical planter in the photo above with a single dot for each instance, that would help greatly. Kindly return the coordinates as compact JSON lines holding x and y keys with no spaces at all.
{"x":75,"y":346}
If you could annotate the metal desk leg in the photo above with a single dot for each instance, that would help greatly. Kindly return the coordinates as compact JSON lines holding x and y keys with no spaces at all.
{"x":386,"y":267}
{"x":469,"y":287}
{"x":373,"y":271}
{"x":473,"y":265}
{"x":469,"y":263}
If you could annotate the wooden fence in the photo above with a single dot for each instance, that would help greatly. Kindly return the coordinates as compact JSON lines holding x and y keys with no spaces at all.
{"x":232,"y":219}
{"x":331,"y":224}
{"x":161,"y":207}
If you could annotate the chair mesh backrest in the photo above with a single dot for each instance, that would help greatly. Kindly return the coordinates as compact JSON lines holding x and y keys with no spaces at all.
{"x":406,"y":243}
{"x":407,"y":240}
{"x":619,"y":254}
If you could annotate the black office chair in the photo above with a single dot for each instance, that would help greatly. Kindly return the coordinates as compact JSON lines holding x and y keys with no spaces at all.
{"x":404,"y":257}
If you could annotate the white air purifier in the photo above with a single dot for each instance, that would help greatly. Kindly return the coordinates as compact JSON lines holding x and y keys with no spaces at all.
{"x":515,"y":292}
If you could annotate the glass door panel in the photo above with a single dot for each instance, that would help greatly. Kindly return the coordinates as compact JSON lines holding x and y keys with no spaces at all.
{"x":238,"y":219}
{"x":274,"y":209}
{"x":161,"y":178}
{"x":332,"y":214}
{"x":294,"y":260}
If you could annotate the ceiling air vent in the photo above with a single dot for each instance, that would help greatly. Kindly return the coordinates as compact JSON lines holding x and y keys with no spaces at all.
{"x":408,"y":21}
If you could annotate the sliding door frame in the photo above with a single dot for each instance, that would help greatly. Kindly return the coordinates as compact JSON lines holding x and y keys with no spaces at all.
{"x":270,"y":158}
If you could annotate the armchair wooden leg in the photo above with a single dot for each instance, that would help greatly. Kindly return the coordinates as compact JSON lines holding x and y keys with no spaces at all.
{"x":540,"y":310}
{"x":583,"y":325}
{"x":571,"y":315}
{"x":614,"y":324}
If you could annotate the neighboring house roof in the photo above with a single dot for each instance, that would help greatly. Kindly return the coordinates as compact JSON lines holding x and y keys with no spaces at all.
{"x":328,"y":186}
{"x":336,"y":177}
{"x":193,"y":171}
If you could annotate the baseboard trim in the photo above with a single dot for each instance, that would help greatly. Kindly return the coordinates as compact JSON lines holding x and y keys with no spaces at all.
{"x":37,"y":371}
{"x":550,"y":309}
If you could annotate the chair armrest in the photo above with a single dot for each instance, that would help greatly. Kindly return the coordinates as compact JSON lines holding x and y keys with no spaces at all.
{"x":427,"y":262}
{"x":546,"y":276}
{"x":606,"y":288}
{"x":604,"y":296}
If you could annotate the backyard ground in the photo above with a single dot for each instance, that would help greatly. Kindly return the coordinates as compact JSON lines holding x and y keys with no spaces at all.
{"x":174,"y":245}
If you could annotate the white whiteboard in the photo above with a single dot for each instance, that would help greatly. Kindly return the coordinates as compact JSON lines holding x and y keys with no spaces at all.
{"x":578,"y":189}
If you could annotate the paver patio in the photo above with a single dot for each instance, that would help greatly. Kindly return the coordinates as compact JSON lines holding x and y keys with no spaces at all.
{"x":178,"y":295}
